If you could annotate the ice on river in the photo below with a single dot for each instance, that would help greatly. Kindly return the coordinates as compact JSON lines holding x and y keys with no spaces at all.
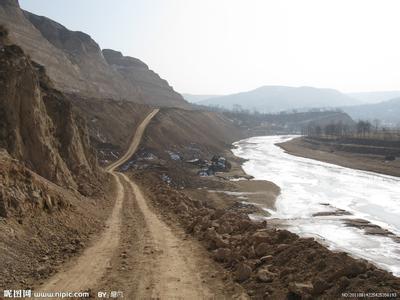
{"x":309,"y":186}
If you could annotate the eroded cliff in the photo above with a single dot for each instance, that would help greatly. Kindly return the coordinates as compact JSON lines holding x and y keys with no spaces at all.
{"x":76,"y":64}
{"x":39,"y":127}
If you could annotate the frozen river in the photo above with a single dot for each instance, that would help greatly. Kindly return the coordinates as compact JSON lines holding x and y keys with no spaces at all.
{"x":309,"y":187}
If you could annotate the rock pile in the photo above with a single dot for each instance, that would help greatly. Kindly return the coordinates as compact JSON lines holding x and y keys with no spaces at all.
{"x":271,"y":263}
{"x":41,"y":223}
{"x":21,"y":193}
{"x":217,"y":164}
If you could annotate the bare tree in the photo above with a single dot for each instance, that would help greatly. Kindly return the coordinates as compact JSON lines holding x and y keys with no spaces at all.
{"x":376,"y":123}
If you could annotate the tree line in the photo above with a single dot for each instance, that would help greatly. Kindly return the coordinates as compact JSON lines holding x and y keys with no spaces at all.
{"x":360,"y":129}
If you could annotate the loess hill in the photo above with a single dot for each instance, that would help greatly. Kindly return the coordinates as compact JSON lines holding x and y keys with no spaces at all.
{"x":76,"y":64}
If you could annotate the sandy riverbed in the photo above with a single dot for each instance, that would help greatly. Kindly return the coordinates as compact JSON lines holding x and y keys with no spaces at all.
{"x":300,"y":147}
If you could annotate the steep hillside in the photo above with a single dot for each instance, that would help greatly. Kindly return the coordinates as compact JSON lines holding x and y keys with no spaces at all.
{"x":76,"y":64}
{"x":388,"y":112}
{"x":278,"y":98}
{"x":150,"y":88}
{"x":190,"y":132}
{"x":39,"y":126}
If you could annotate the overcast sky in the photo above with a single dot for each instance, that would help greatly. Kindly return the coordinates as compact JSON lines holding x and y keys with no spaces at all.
{"x":226,"y":46}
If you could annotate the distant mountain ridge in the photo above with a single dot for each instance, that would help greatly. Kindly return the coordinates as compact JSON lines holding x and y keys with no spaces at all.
{"x":387,"y":112}
{"x":375,"y":97}
{"x":279,"y":98}
{"x":76,"y":64}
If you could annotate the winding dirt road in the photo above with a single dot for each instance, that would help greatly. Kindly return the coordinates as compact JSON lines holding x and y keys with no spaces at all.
{"x":135,"y":142}
{"x":140,"y":255}
{"x":86,"y":271}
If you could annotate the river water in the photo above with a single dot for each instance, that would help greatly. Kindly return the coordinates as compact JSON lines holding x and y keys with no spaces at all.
{"x":309,"y":186}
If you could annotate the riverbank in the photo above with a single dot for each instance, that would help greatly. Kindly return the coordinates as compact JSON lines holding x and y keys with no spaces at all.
{"x":335,"y":205}
{"x":226,"y":189}
{"x":328,"y":152}
{"x":268,"y":263}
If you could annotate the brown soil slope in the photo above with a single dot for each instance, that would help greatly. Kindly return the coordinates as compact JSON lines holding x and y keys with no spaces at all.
{"x":110,"y":123}
{"x":42,"y":224}
{"x":186,"y":131}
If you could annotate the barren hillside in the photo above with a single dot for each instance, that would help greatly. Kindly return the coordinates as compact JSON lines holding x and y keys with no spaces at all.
{"x":185,"y":130}
{"x":76,"y":63}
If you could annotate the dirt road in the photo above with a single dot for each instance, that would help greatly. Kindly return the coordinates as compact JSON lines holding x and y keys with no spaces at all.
{"x":135,"y":142}
{"x":157,"y":261}
{"x":172,"y":274}
{"x":85,"y":271}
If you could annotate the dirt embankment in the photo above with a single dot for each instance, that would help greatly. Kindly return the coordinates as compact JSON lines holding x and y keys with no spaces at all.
{"x":39,"y":126}
{"x":268,"y":263}
{"x":42,"y":225}
{"x":48,"y":170}
{"x":355,"y":155}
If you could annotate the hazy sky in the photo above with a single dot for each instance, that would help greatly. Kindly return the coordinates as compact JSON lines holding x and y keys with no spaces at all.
{"x":225,"y":46}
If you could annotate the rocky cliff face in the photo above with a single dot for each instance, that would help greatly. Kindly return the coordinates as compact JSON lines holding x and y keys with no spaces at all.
{"x":23,"y":33}
{"x":76,"y":64}
{"x":151,"y":88}
{"x":39,"y":127}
